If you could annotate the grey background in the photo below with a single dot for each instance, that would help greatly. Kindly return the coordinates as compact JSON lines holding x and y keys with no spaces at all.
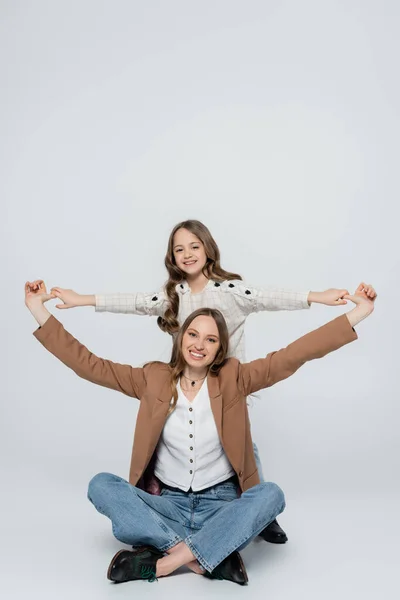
{"x":277,"y":124}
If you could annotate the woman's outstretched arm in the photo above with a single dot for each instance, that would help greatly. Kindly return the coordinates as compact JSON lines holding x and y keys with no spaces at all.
{"x":265,"y":372}
{"x":52,"y":335}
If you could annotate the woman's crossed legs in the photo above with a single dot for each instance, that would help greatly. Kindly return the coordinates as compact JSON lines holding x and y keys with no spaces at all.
{"x":205,"y":526}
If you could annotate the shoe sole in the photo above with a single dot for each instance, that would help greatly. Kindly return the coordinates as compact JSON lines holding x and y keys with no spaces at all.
{"x":274,"y":540}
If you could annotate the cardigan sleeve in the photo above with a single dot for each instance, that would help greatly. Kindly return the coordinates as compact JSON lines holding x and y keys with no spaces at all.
{"x":251,"y":299}
{"x":265,"y":372}
{"x":150,"y":304}
{"x":123,"y":378}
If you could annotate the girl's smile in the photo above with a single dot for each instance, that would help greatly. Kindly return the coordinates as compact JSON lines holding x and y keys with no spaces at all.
{"x":189,"y":254}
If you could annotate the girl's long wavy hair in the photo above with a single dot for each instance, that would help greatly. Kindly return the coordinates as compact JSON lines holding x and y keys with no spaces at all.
{"x":212,"y":270}
{"x":178,"y":362}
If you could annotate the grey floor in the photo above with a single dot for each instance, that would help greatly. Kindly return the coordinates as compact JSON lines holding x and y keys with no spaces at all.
{"x":54,"y":545}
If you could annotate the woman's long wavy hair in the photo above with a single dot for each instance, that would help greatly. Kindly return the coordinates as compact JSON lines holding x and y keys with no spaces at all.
{"x":212,"y":270}
{"x":178,"y":362}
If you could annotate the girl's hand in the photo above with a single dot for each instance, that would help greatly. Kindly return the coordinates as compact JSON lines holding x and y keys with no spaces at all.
{"x":331,"y":297}
{"x":364,"y":298}
{"x":71,"y":299}
{"x":36,"y":293}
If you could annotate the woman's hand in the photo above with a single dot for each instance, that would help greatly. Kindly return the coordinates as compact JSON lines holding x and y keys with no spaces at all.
{"x":364,"y":298}
{"x":35,"y":297}
{"x":36,"y":293}
{"x":331,"y":297}
{"x":71,"y":299}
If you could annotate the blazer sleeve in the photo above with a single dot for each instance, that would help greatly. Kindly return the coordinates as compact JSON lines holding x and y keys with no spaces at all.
{"x":150,"y":304}
{"x":265,"y":372}
{"x":252,"y":299}
{"x":85,"y":364}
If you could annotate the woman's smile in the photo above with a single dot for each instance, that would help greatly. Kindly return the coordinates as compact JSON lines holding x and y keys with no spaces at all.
{"x":196,"y":355}
{"x":200,"y":342}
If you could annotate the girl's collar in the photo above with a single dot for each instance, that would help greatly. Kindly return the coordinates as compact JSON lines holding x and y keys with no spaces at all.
{"x":184,"y":287}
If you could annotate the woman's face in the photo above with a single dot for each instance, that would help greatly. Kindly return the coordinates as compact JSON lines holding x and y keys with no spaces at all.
{"x":189,"y":253}
{"x":200,"y":342}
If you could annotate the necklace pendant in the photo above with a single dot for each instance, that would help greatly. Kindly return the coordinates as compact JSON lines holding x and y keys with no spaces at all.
{"x":193,"y":383}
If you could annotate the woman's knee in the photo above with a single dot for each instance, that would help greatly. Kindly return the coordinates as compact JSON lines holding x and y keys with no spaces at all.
{"x":99,"y":484}
{"x":273,"y":493}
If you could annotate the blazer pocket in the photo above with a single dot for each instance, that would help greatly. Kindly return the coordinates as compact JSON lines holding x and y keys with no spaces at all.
{"x":160,"y":408}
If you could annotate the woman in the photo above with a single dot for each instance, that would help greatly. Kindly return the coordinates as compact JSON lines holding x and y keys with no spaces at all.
{"x":196,"y":279}
{"x":197,"y":442}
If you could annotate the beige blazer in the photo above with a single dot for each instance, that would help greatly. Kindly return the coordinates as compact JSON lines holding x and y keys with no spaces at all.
{"x":228,"y":390}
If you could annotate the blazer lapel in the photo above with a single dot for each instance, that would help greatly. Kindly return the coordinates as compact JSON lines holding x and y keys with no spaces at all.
{"x":215,"y":401}
{"x":159,"y":415}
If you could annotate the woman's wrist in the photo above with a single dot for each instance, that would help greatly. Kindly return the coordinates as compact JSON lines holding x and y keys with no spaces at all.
{"x":39,"y":312}
{"x":358,"y":314}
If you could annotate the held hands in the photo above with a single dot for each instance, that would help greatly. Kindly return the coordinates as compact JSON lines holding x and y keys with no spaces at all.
{"x":36,"y":295}
{"x":364,"y":298}
{"x":338,"y":297}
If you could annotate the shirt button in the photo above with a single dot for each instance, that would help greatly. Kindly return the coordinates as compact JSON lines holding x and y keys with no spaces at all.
{"x":190,"y":409}
{"x":191,"y":460}
{"x":240,"y":473}
{"x":190,"y":422}
{"x":191,"y":447}
{"x":191,"y":472}
{"x":190,"y":435}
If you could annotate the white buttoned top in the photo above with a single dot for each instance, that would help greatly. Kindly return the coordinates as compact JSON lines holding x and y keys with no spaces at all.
{"x":189,"y":452}
{"x":234,"y":299}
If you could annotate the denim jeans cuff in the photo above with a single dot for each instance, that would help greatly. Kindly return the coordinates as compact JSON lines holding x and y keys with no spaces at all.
{"x":197,"y":554}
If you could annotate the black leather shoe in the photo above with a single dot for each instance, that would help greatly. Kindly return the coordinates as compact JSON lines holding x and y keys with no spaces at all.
{"x":274,"y":533}
{"x":128,"y":565}
{"x":231,"y":569}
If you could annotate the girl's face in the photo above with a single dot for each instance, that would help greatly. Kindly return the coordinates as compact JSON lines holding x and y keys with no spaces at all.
{"x":189,"y":254}
{"x":200,"y":342}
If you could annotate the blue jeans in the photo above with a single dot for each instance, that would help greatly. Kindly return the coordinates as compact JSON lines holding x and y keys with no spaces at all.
{"x":212,"y":523}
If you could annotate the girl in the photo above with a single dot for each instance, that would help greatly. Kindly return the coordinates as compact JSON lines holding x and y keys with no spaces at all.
{"x":196,"y":280}
{"x":193,"y":431}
